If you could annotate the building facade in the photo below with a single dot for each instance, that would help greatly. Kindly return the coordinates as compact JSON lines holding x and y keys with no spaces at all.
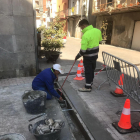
{"x":77,"y":10}
{"x":123,"y":18}
{"x":62,"y":10}
{"x":39,"y":12}
{"x":51,"y":9}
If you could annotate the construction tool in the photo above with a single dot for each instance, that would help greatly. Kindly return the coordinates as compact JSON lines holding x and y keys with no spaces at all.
{"x":37,"y":117}
{"x":60,"y":90}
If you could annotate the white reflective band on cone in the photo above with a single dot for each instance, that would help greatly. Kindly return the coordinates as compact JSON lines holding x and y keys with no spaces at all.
{"x":119,"y":87}
{"x":79,"y":75}
{"x":81,"y":63}
{"x":126,"y":111}
{"x":79,"y":68}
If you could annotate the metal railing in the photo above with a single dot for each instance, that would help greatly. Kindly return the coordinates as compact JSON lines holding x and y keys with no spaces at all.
{"x":115,"y":67}
{"x":99,"y":6}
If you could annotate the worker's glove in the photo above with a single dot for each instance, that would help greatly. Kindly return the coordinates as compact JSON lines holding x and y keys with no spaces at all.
{"x":60,"y":99}
{"x":78,"y":56}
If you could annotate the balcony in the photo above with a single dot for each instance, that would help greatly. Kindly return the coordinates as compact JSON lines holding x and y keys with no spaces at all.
{"x":100,"y":8}
{"x":71,"y":12}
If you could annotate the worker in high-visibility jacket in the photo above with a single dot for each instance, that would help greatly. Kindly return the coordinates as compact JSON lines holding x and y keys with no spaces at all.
{"x":89,"y":50}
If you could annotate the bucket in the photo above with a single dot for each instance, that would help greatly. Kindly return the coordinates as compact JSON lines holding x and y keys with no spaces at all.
{"x":12,"y":136}
{"x":50,"y":136}
{"x":36,"y":105}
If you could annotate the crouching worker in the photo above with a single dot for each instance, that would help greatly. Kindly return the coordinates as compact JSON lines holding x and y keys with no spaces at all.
{"x":44,"y":81}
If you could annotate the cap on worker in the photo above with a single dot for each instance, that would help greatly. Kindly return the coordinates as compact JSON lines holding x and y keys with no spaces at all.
{"x":58,"y":67}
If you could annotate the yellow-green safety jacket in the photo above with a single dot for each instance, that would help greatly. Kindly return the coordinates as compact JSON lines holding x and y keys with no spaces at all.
{"x":90,"y":41}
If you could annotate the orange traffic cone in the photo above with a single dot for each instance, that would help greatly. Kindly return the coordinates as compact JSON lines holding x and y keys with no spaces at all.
{"x":79,"y":76}
{"x":125,"y":121}
{"x":81,"y":65}
{"x":124,"y":125}
{"x":118,"y":91}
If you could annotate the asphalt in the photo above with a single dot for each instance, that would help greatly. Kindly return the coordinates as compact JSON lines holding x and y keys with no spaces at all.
{"x":72,"y":47}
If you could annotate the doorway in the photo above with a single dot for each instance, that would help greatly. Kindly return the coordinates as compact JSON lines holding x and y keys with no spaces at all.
{"x":136,"y":37}
{"x":109,"y":32}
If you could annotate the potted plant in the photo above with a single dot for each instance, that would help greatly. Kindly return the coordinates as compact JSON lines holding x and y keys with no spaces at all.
{"x":52,"y":41}
{"x":52,"y":49}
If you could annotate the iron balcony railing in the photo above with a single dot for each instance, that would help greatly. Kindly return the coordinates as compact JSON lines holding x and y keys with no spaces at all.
{"x":74,"y":11}
{"x":99,"y":6}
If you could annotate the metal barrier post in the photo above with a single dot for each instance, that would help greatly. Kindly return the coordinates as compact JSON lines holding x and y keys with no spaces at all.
{"x":123,"y":74}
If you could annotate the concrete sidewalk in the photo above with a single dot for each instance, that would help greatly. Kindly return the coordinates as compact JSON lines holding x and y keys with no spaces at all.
{"x":100,"y":103}
{"x":14,"y":118}
{"x":104,"y":106}
{"x":72,"y":47}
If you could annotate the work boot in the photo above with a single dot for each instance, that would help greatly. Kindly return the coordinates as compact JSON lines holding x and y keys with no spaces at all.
{"x":84,"y":89}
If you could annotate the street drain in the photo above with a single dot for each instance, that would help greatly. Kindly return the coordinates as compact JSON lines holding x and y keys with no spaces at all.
{"x":75,"y":123}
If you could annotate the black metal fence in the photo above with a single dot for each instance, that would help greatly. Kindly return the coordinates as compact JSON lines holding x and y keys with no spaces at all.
{"x":129,"y":73}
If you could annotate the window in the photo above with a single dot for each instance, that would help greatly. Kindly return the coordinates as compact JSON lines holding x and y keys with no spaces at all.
{"x":73,"y":4}
{"x":109,"y":2}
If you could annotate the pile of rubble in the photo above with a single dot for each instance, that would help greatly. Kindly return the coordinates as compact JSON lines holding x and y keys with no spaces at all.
{"x":49,"y":126}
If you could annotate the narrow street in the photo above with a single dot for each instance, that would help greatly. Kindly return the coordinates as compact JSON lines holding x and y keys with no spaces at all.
{"x":100,"y":104}
{"x":72,"y":47}
{"x":40,"y":102}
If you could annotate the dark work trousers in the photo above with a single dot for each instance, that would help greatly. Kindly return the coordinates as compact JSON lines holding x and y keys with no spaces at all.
{"x":90,"y":65}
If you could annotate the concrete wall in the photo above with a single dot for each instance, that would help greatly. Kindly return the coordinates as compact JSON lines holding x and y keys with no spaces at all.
{"x":123,"y":27}
{"x":17,"y":49}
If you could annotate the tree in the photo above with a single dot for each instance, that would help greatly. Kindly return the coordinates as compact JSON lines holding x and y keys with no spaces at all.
{"x":53,"y":36}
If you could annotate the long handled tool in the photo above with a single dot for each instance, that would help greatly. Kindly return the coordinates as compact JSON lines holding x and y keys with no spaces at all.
{"x":59,"y":90}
